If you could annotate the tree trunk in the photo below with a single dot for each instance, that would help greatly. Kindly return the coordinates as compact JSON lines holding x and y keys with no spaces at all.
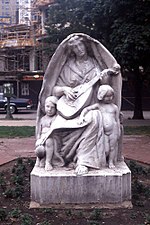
{"x":138,"y":86}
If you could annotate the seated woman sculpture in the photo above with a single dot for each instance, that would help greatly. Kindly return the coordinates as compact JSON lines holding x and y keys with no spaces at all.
{"x":79,"y":65}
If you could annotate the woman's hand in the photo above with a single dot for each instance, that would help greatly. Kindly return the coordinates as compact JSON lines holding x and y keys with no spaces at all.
{"x":69,"y":93}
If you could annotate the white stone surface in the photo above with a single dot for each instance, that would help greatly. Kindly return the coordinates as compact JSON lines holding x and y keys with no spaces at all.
{"x":78,"y":68}
{"x":62,"y":186}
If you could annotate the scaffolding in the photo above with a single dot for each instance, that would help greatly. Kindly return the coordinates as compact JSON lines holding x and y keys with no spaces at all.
{"x":17,"y":46}
{"x":42,"y":3}
{"x":16,"y":36}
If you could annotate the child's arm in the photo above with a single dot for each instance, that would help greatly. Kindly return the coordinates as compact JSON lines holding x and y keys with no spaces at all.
{"x":117,"y":118}
{"x":116,"y":113}
{"x":86,"y":110}
{"x":39,"y":134}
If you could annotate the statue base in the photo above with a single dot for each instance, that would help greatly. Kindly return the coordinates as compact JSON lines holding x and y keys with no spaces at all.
{"x":99,"y":187}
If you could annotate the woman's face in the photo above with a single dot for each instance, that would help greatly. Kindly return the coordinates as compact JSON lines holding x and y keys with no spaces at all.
{"x":79,"y":48}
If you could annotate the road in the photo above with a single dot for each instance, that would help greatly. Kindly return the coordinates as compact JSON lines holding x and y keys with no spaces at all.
{"x":25,"y":115}
{"x":31,"y":115}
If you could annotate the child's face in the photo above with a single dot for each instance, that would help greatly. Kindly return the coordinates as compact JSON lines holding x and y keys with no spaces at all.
{"x":50,"y":109}
{"x":108,"y":97}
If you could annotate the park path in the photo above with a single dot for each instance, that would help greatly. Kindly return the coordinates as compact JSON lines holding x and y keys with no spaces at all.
{"x":136,"y":147}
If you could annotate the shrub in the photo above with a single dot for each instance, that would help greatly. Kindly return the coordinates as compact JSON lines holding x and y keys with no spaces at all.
{"x":15,"y":192}
{"x":2,"y":181}
{"x":26,"y":219}
{"x":3,"y":214}
{"x":15,"y":213}
{"x":18,"y":179}
{"x":96,"y":214}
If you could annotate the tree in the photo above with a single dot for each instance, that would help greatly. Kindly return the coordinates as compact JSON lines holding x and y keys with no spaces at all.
{"x":121,"y":25}
{"x":130,"y":41}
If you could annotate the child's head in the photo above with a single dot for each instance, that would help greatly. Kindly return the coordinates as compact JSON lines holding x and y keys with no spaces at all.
{"x":105,"y":93}
{"x":50,"y":105}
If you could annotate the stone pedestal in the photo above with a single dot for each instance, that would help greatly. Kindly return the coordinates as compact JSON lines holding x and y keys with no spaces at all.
{"x":101,"y":187}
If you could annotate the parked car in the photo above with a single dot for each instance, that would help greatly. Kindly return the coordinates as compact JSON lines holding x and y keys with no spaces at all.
{"x":15,"y":103}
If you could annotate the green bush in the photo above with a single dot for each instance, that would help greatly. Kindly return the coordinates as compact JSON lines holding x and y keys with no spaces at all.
{"x":26,"y":219}
{"x":18,"y":179}
{"x":15,"y":213}
{"x":3,"y":214}
{"x":15,"y":192}
{"x":2,"y":181}
{"x":96,"y":215}
{"x":19,"y":168}
{"x":44,"y":223}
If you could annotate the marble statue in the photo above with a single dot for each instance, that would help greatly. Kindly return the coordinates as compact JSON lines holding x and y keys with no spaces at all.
{"x":110,"y":121}
{"x":83,"y":76}
{"x":45,"y":152}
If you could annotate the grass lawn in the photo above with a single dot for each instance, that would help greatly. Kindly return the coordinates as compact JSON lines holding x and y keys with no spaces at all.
{"x":139,"y":130}
{"x":12,"y":132}
{"x":26,"y":131}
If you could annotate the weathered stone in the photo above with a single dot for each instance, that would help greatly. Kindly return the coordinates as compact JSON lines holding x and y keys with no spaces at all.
{"x":62,"y":186}
{"x":82,"y":127}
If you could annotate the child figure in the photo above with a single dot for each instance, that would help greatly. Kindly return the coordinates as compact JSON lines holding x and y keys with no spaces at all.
{"x":45,"y":152}
{"x":111,"y":123}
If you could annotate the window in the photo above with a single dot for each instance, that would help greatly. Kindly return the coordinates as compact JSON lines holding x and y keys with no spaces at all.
{"x":24,"y":88}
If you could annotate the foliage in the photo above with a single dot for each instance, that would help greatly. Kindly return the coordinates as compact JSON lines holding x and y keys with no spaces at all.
{"x":15,"y":213}
{"x":16,"y":189}
{"x":126,"y":32}
{"x":138,"y":169}
{"x":122,"y":26}
{"x":3,"y":214}
{"x":2,"y":181}
{"x":44,"y":223}
{"x":30,"y":162}
{"x":68,"y":212}
{"x":131,"y":32}
{"x":11,"y":132}
{"x":14,"y":192}
{"x":140,"y":190}
{"x":65,"y":17}
{"x":19,"y":168}
{"x":26,"y":219}
{"x":17,"y":179}
{"x":147,"y":219}
{"x":49,"y":211}
{"x":96,"y":215}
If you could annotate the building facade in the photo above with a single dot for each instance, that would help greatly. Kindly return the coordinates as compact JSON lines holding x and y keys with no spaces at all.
{"x":19,"y":61}
{"x":25,"y":12}
{"x":8,"y":12}
{"x":23,"y":52}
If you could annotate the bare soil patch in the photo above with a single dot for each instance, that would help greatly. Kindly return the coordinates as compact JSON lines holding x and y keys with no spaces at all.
{"x":15,"y":201}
